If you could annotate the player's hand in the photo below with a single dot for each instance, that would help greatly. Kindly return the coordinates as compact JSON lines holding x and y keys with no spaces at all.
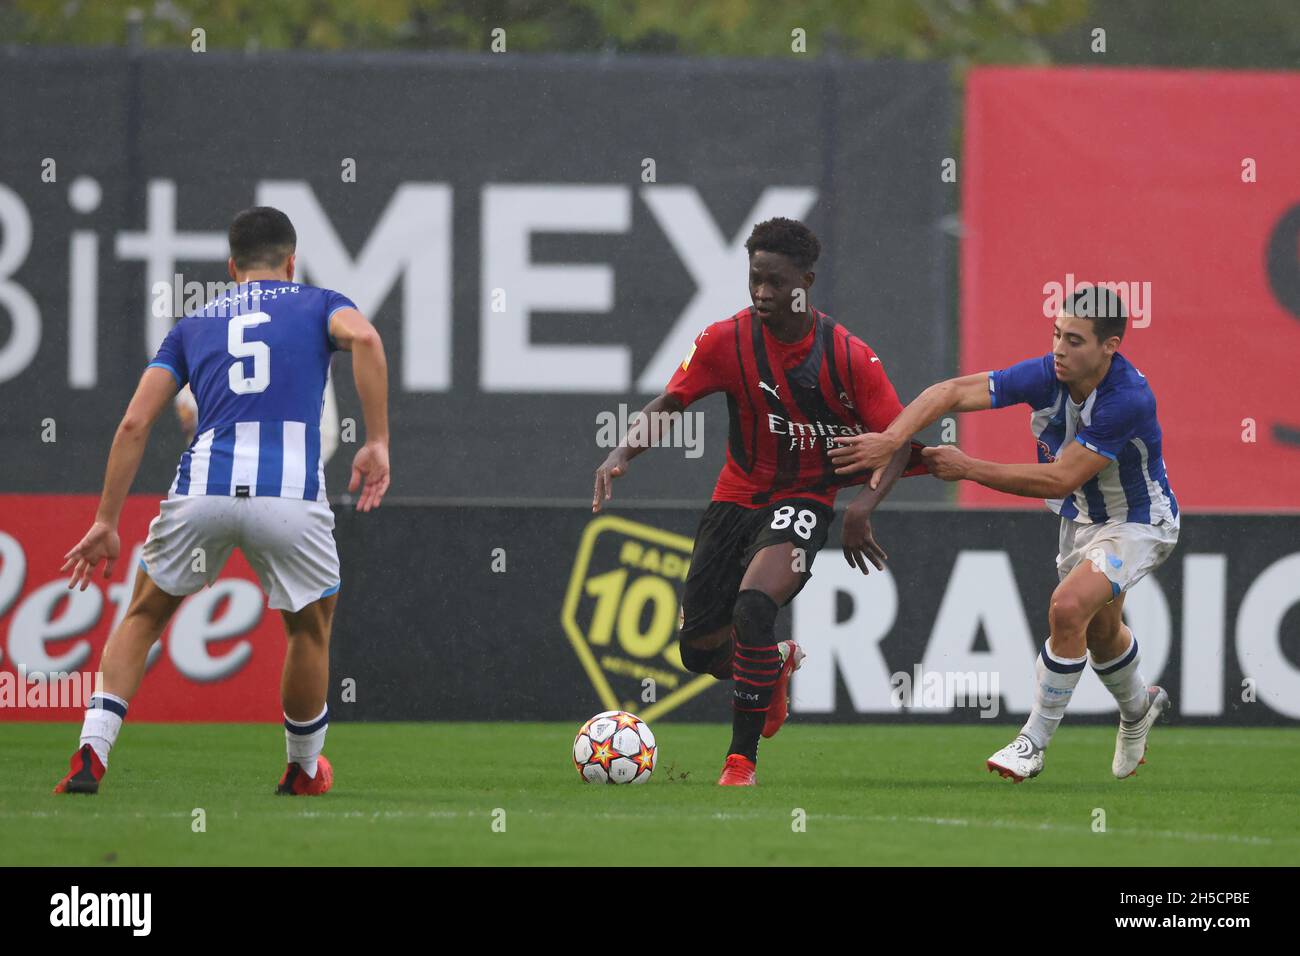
{"x":101,"y":542}
{"x":857,"y":453}
{"x":371,"y":466}
{"x":614,"y":466}
{"x":946,"y":462}
{"x":859,"y":542}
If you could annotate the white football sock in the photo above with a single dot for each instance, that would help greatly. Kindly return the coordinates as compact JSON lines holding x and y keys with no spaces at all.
{"x":1121,"y":677}
{"x":1057,"y":677}
{"x":305,"y":739}
{"x":102,"y":722}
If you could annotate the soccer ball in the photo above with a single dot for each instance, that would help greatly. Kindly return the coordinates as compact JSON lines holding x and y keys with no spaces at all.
{"x":615,"y":747}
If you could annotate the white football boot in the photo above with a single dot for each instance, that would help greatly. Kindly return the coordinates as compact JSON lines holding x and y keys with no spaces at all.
{"x":1019,"y":760}
{"x":1131,"y":738}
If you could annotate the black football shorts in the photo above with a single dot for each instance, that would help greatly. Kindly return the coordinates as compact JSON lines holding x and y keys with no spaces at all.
{"x":728,"y":538}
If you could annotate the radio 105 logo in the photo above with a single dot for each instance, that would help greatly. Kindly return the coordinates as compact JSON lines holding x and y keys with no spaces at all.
{"x":621,"y":615}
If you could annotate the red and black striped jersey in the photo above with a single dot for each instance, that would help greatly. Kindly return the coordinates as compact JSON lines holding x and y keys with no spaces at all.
{"x":786,"y":402}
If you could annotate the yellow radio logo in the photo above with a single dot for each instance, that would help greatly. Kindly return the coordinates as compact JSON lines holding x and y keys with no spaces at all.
{"x":621,"y":615}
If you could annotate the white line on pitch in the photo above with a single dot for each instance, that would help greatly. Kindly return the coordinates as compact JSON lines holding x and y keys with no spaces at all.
{"x":641,"y":814}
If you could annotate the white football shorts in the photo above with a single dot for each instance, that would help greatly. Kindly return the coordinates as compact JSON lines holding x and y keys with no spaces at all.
{"x":1125,"y":551}
{"x":288,"y":542}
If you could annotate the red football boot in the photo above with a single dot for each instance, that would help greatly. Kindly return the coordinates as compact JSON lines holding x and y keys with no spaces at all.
{"x":296,"y":783}
{"x":779,"y":709}
{"x":85,"y":772}
{"x":738,"y":771}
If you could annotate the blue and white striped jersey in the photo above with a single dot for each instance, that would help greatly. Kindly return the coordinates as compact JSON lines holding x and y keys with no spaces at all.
{"x":256,"y":360}
{"x":1117,"y":420}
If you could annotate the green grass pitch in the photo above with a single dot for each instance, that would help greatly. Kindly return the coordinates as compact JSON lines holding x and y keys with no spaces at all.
{"x":425,"y":794}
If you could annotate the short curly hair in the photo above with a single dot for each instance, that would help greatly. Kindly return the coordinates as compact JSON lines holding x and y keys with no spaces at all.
{"x":789,"y":237}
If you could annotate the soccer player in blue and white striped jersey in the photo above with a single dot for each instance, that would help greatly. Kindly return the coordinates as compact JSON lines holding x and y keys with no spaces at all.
{"x":1100,"y":467}
{"x":256,"y":360}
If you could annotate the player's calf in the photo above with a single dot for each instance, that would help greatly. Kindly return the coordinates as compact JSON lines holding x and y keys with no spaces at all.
{"x":1055,"y":679}
{"x":1139,"y":706}
{"x":756,"y":669}
{"x":1075,"y":602}
{"x":303,"y":690}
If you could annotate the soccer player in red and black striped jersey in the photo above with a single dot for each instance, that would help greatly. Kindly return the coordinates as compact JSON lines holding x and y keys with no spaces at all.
{"x":794,"y":381}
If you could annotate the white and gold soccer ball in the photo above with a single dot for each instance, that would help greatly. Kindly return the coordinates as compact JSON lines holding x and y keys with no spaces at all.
{"x":615,"y":747}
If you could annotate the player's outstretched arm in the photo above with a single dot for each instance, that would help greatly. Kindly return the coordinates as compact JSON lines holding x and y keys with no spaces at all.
{"x":1073,"y":468}
{"x":643,"y":433}
{"x":353,"y":333}
{"x":155,"y":392}
{"x":969,"y":393}
{"x":859,"y":541}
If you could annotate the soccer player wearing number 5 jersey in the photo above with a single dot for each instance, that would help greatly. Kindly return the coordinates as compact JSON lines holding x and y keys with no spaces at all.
{"x":1100,"y":468}
{"x":256,"y":360}
{"x":795,"y":382}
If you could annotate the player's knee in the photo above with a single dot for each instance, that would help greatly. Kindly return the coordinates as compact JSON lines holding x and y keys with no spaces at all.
{"x":1067,"y":612}
{"x":754,"y":618}
{"x":308,"y":635}
{"x":696,"y":659}
{"x":146,"y":612}
{"x":704,"y":657}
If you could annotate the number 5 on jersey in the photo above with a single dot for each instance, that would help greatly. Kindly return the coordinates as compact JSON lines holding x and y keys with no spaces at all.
{"x":259,"y":352}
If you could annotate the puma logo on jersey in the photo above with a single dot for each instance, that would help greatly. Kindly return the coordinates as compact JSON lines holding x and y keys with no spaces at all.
{"x":764,"y":385}
{"x":874,"y":359}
